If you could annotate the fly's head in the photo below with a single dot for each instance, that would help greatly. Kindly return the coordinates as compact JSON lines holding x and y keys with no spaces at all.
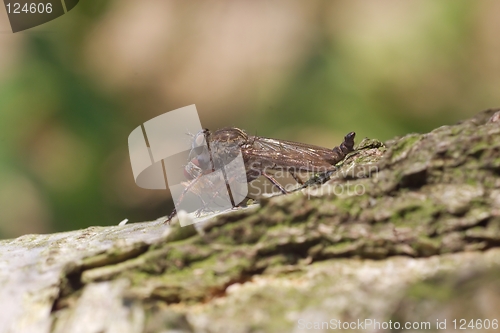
{"x":199,"y":156}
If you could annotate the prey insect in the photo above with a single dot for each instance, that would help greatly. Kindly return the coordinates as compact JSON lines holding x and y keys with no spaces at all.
{"x":211,"y":151}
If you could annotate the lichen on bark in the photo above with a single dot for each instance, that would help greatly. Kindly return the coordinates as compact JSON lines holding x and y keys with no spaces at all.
{"x":390,"y":220}
{"x":417,"y":196}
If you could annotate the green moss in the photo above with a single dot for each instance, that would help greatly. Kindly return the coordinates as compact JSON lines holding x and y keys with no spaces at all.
{"x":340,"y":249}
{"x":426,"y":291}
{"x":409,"y":208}
{"x":403,"y":146}
{"x":426,"y":246}
{"x":369,"y":144}
{"x":179,"y":233}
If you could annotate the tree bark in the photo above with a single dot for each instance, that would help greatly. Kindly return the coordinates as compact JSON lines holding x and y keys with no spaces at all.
{"x":406,"y":231}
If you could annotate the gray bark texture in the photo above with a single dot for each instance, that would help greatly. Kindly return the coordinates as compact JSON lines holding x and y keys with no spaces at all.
{"x":406,"y":231}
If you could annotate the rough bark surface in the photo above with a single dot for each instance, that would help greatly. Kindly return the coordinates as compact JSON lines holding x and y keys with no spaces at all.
{"x":404,"y":231}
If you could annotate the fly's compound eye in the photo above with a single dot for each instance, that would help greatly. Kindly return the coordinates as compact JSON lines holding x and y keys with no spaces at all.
{"x":199,"y":151}
{"x":199,"y":143}
{"x":198,"y":139}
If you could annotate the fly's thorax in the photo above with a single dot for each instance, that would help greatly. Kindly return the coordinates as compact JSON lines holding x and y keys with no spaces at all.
{"x":213,"y":151}
{"x":229,"y":135}
{"x":225,"y":145}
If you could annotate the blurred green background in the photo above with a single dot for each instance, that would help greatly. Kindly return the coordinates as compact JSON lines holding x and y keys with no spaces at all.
{"x":73,"y":89}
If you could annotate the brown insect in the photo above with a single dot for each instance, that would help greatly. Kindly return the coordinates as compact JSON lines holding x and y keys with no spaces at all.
{"x":261,"y":156}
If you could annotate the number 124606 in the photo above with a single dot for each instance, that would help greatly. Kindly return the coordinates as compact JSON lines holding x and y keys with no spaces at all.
{"x":32,"y":8}
{"x":475,"y":324}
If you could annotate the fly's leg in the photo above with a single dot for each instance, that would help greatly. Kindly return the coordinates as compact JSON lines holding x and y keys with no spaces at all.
{"x":317,"y":179}
{"x":171,"y":216}
{"x":275,"y":182}
{"x":183,"y":194}
{"x":217,"y":189}
{"x":297,"y":178}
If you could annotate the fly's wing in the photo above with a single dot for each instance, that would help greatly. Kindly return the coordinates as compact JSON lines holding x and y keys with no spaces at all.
{"x":289,"y":155}
{"x":265,"y":155}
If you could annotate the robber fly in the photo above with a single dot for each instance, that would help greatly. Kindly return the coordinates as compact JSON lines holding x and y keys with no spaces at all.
{"x":212,"y":151}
